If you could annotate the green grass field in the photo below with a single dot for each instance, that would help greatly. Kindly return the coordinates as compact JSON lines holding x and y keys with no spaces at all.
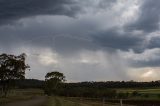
{"x":57,"y":101}
{"x":145,"y":93}
{"x":61,"y":101}
{"x":144,"y":90}
{"x":20,"y":94}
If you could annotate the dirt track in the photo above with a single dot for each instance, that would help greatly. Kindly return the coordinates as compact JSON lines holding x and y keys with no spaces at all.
{"x":37,"y":101}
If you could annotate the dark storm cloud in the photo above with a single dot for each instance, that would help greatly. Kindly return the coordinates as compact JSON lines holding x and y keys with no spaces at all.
{"x":151,"y":63}
{"x":16,"y":9}
{"x":154,"y":42}
{"x":123,"y":41}
{"x":149,"y":17}
{"x":11,"y":10}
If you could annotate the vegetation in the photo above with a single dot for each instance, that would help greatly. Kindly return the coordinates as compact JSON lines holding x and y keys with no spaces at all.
{"x":29,"y":83}
{"x":53,"y":82}
{"x":11,"y":67}
{"x":59,"y":101}
{"x":117,"y":84}
{"x":21,"y":94}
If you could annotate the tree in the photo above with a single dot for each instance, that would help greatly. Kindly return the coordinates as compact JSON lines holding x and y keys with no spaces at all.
{"x":53,"y":81}
{"x":11,"y":67}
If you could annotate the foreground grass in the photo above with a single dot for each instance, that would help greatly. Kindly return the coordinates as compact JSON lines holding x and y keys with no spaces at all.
{"x":20,"y":94}
{"x":14,"y":98}
{"x":26,"y":94}
{"x":59,"y":101}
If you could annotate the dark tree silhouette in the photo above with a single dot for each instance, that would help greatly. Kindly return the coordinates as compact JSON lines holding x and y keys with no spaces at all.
{"x":11,"y":67}
{"x":53,"y":81}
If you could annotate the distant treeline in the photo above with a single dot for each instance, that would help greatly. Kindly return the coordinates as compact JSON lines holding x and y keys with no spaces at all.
{"x":115,"y":84}
{"x":29,"y":83}
{"x":34,"y":83}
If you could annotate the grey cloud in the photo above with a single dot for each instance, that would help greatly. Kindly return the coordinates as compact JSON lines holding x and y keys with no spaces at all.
{"x":143,"y":63}
{"x":104,"y":3}
{"x":105,"y":67}
{"x":116,"y":40}
{"x":149,"y":17}
{"x":17,"y":9}
{"x":148,"y":58}
{"x":151,"y":63}
{"x":13,"y":10}
{"x":72,"y":41}
{"x":71,"y":45}
{"x":154,"y":42}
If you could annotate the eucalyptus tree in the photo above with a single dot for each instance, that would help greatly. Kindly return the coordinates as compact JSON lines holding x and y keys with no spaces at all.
{"x":53,"y":80}
{"x":11,"y":68}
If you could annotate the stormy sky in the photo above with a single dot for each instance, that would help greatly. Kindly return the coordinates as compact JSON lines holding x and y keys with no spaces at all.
{"x":87,"y":40}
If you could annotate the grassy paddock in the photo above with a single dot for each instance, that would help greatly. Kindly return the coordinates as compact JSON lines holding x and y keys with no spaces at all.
{"x":144,"y":93}
{"x":31,"y":92}
{"x":95,"y":101}
{"x":116,"y":102}
{"x":24,"y":94}
{"x":144,"y":90}
{"x":14,"y":98}
{"x":62,"y":101}
{"x":20,"y":94}
{"x":151,"y":99}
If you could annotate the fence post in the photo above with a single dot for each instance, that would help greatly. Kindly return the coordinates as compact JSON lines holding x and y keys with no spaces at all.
{"x":121,"y":103}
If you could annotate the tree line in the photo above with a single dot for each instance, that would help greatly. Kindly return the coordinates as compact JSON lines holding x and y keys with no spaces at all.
{"x":35,"y":83}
